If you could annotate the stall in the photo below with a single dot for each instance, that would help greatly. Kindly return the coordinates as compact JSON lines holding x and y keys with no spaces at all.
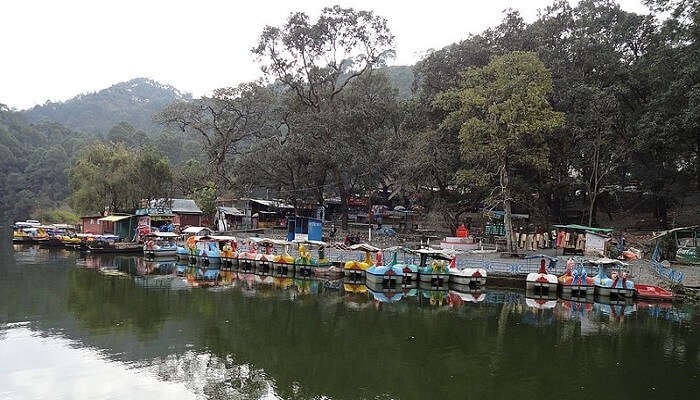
{"x":580,"y":239}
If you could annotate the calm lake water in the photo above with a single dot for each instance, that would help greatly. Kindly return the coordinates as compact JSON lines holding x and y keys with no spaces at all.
{"x":98,"y":328}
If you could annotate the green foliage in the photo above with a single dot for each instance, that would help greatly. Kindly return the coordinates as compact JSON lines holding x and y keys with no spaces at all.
{"x":503,"y":115}
{"x":504,"y":119}
{"x":55,"y":215}
{"x":33,"y":159}
{"x":205,"y":197}
{"x":114,"y":177}
{"x":225,"y":123}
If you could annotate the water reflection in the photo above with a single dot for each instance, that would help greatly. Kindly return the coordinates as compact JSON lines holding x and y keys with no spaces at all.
{"x":253,"y":336}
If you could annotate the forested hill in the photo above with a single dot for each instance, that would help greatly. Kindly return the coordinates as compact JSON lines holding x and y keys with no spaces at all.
{"x":33,"y":159}
{"x":134,"y":101}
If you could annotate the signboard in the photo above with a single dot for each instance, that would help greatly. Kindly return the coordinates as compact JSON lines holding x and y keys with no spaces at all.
{"x":358,"y":201}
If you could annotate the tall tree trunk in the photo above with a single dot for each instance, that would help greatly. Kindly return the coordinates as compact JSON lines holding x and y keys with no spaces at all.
{"x":594,"y":181}
{"x":697,"y":157}
{"x":508,"y":217}
{"x":592,"y":207}
{"x":344,"y":196}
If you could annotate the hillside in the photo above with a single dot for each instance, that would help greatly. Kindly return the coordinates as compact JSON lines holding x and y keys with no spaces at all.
{"x":33,"y":158}
{"x":134,"y":101}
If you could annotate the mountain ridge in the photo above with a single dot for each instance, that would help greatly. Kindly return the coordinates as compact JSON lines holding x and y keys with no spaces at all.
{"x":134,"y":101}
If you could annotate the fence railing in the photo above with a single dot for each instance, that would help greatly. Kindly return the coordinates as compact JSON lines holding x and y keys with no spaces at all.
{"x":674,"y":276}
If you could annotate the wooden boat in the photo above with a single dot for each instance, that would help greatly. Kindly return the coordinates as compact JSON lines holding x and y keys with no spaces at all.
{"x":472,"y":277}
{"x":355,"y":270}
{"x":542,"y":281}
{"x":618,"y":285}
{"x":160,"y":244}
{"x":388,"y":276}
{"x":575,"y":281}
{"x":437,"y":272}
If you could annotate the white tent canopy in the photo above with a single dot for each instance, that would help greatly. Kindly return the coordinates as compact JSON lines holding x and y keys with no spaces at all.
{"x":196,"y":229}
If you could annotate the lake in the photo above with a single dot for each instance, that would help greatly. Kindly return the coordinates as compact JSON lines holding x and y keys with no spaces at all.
{"x":85,"y":327}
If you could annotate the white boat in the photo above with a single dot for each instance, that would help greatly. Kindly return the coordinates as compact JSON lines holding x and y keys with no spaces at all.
{"x":472,"y":277}
{"x":541,"y":280}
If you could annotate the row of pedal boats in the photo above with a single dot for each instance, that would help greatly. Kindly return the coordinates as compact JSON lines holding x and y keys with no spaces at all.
{"x":436,"y":268}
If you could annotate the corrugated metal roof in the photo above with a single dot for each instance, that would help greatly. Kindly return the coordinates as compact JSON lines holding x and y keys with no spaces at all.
{"x":180,"y":206}
{"x":196,"y":229}
{"x":185,"y":206}
{"x":272,"y":203}
{"x":584,"y":228}
{"x":231,"y":211}
{"x":114,"y":218}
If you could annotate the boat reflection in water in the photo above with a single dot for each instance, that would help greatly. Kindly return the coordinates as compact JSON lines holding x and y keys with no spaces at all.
{"x":134,"y":336}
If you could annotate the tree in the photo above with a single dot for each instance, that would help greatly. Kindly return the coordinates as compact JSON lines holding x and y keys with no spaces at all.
{"x":317,"y":62}
{"x":108,"y":176}
{"x":205,"y":196}
{"x":123,"y":132}
{"x":226,"y":123}
{"x":504,"y":118}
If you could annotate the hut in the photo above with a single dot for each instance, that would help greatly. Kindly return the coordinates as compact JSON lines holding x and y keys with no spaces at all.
{"x":228,"y":218}
{"x":122,"y":225}
{"x":91,"y":224}
{"x":186,"y":212}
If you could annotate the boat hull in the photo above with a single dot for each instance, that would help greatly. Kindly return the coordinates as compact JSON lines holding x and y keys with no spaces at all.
{"x":23,"y":240}
{"x":282,"y":269}
{"x":304,"y":270}
{"x":354,"y":275}
{"x":477,"y":281}
{"x":384,"y":280}
{"x":208,"y":260}
{"x":611,"y":292}
{"x":263,"y":267}
{"x":578,"y":290}
{"x":246,"y":265}
{"x":434,"y":280}
{"x":541,"y":286}
{"x":159,"y":253}
{"x":229,"y":263}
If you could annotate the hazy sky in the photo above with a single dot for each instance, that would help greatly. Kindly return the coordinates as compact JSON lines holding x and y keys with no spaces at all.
{"x":53,"y":50}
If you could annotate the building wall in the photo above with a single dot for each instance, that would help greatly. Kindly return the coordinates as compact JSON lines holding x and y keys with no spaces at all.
{"x":92,"y":225}
{"x":107,"y":226}
{"x":188,"y":219}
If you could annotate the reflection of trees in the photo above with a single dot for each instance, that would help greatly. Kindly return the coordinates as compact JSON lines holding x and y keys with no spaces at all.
{"x":101,"y":302}
{"x":214,"y":377}
{"x":226,"y":344}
